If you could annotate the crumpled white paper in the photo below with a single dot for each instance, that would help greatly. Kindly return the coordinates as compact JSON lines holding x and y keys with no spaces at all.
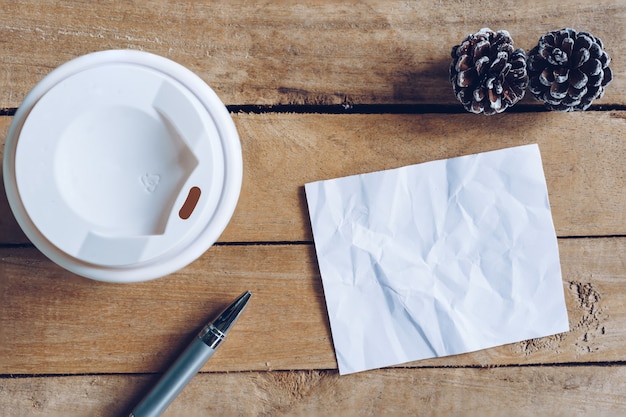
{"x":439,"y":258}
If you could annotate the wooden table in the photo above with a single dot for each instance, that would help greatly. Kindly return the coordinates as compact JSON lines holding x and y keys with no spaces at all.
{"x":317,"y":90}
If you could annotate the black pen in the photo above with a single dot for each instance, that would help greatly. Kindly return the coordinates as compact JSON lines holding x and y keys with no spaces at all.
{"x":190,"y":361}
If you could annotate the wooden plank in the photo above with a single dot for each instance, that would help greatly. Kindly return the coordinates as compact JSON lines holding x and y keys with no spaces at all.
{"x":53,"y":322}
{"x":583,"y":156}
{"x":321,"y":52}
{"x":439,"y":392}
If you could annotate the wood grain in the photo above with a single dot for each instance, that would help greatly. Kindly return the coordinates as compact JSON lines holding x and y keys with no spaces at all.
{"x":54,"y":322}
{"x":444,"y":392}
{"x":582,"y":153}
{"x":316,"y":52}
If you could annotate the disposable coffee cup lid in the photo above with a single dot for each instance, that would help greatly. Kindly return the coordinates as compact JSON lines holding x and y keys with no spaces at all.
{"x":122,"y":166}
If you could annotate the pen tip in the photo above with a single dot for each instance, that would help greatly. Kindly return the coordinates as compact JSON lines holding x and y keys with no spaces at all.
{"x":226,"y":320}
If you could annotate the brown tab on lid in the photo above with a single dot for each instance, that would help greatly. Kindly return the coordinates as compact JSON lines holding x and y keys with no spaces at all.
{"x":190,"y":203}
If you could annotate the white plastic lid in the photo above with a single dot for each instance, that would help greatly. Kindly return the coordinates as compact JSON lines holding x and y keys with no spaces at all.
{"x":122,"y":166}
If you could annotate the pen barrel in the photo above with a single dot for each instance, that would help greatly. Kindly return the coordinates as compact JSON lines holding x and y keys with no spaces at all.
{"x":174,"y":380}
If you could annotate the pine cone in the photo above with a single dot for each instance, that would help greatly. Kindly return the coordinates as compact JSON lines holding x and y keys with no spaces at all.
{"x":487,"y":73}
{"x":568,"y":70}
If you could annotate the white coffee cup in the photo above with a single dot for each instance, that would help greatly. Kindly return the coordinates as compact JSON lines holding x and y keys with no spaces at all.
{"x":122,"y":166}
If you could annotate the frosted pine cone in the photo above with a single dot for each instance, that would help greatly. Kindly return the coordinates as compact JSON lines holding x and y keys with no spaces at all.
{"x":487,"y":73}
{"x":568,"y":70}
